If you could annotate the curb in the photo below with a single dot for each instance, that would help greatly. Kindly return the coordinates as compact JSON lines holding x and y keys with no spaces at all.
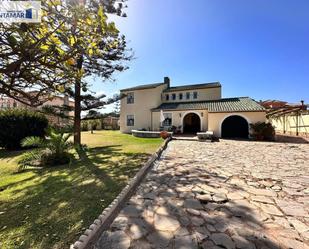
{"x":185,"y":139}
{"x":89,"y":238}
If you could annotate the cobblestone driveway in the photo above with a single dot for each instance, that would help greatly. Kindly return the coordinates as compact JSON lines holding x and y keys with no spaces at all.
{"x":231,"y":194}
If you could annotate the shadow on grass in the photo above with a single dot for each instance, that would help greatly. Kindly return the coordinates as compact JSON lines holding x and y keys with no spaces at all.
{"x":52,"y":208}
{"x":5,"y":154}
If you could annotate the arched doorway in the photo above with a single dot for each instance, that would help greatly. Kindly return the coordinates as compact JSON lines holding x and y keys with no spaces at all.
{"x":235,"y":127}
{"x":191,"y":123}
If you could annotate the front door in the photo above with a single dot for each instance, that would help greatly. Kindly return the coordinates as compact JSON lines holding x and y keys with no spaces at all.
{"x":191,"y":123}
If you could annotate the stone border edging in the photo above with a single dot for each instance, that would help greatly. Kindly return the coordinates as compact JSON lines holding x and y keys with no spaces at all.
{"x":88,"y":239}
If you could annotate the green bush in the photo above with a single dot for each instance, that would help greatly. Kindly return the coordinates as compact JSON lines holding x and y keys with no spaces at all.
{"x":69,"y":128}
{"x":50,"y":159}
{"x":51,"y":151}
{"x":263,"y":131}
{"x":84,"y":125}
{"x":93,"y":124}
{"x":16,"y":124}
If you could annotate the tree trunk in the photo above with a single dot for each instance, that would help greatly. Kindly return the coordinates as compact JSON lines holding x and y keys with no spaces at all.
{"x":77,"y":107}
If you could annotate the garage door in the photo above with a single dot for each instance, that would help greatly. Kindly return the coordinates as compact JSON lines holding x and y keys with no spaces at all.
{"x":235,"y":127}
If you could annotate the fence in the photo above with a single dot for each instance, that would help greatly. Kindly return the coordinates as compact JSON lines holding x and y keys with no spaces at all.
{"x":292,"y":124}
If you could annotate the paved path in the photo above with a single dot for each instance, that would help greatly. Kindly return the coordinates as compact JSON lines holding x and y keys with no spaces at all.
{"x":231,"y":194}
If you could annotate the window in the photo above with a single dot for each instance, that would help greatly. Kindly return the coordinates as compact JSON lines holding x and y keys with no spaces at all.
{"x":167,"y":97}
{"x":173,"y":96}
{"x":187,"y":95}
{"x":130,"y":98}
{"x":195,"y":95}
{"x":130,"y":120}
{"x":168,"y":119}
{"x":180,"y":96}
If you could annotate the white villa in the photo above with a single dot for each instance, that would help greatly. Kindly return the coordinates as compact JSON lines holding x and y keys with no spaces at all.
{"x":189,"y":108}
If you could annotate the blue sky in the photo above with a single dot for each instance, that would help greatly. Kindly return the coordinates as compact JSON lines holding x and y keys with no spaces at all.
{"x":256,"y":48}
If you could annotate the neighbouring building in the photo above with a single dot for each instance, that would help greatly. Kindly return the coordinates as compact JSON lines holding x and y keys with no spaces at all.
{"x":9,"y":103}
{"x":268,"y":104}
{"x":189,"y":108}
{"x":288,"y":118}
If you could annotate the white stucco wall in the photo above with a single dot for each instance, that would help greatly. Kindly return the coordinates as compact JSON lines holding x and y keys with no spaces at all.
{"x":147,"y":99}
{"x":215,"y":119}
{"x":144,"y":101}
{"x":178,"y":116}
{"x":288,"y":124}
{"x":213,"y":93}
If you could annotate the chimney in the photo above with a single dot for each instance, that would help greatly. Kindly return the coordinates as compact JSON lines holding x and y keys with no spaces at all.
{"x":167,"y":81}
{"x":302,"y":105}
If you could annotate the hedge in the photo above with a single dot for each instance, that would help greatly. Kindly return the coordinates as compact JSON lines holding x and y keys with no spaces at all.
{"x":16,"y":124}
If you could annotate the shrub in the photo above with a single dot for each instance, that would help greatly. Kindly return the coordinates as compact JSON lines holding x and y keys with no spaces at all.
{"x":16,"y":124}
{"x":49,"y":152}
{"x":94,"y":124}
{"x":263,"y":131}
{"x":173,"y":129}
{"x":84,"y":125}
{"x":68,"y":128}
{"x":50,"y":159}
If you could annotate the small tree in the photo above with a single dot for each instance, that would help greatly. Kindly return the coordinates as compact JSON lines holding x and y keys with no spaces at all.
{"x":117,"y":107}
{"x":93,"y":124}
{"x":92,"y":114}
{"x":50,"y":151}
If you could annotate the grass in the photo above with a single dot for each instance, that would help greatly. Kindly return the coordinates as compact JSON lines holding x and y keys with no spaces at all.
{"x":50,"y":208}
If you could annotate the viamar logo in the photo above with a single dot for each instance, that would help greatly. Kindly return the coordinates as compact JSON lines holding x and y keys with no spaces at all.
{"x":32,"y":14}
{"x":20,"y":11}
{"x":29,"y":13}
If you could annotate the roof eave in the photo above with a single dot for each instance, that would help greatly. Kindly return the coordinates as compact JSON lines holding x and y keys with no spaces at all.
{"x":142,"y":88}
{"x":157,"y":110}
{"x":205,"y":109}
{"x":190,"y":88}
{"x":237,"y":111}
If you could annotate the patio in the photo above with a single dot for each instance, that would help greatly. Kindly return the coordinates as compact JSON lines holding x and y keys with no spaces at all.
{"x":231,"y":194}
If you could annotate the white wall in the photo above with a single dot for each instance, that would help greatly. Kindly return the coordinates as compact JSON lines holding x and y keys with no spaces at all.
{"x":288,"y":124}
{"x":213,"y":93}
{"x":144,"y":101}
{"x":215,"y":119}
{"x":178,"y":116}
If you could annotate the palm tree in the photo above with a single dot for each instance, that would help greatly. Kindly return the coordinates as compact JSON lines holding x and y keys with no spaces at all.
{"x":50,"y":151}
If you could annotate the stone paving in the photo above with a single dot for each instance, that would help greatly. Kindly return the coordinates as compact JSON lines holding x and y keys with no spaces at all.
{"x":230,"y":194}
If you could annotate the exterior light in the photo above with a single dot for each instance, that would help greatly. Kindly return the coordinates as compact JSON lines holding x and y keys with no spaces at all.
{"x":202,"y":114}
{"x":180,"y":115}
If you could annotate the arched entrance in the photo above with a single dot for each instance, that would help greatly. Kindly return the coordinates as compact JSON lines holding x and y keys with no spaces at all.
{"x":235,"y":127}
{"x":191,"y":123}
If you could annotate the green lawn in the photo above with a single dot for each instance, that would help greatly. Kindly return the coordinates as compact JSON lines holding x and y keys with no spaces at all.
{"x":50,"y":208}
